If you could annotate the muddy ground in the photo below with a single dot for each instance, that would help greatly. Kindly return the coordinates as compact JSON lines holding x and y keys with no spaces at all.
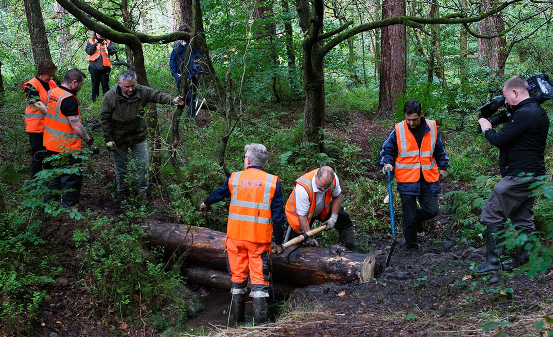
{"x":430,"y":291}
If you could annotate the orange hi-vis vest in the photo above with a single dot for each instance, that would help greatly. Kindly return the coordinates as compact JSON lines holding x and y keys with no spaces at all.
{"x":252,"y":192}
{"x":306,"y":181}
{"x":411,"y":160}
{"x":58,"y":133}
{"x":100,"y":52}
{"x":34,"y":118}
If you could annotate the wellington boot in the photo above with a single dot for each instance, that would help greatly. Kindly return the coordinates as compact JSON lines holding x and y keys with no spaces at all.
{"x":260,"y":310}
{"x":347,"y":237}
{"x":494,"y":251}
{"x":238,"y":307}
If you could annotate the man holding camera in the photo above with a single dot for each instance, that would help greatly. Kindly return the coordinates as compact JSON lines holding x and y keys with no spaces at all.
{"x":521,"y":144}
{"x":416,"y":150}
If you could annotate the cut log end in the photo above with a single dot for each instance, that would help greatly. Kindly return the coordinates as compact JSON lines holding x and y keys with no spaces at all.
{"x":367,"y":270}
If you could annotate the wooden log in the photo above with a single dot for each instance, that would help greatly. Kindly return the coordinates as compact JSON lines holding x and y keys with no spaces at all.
{"x":300,"y":267}
{"x":213,"y":278}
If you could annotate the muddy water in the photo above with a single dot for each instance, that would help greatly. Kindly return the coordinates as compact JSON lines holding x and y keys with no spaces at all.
{"x":216,"y":311}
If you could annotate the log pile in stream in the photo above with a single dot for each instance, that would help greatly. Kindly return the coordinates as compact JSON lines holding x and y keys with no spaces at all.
{"x":296,"y":267}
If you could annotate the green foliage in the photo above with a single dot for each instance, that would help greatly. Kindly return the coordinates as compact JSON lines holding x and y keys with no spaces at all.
{"x":121,"y":274}
{"x":22,"y":273}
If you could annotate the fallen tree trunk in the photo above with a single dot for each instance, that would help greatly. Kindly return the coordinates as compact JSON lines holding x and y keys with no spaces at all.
{"x":213,"y":278}
{"x":299,"y":267}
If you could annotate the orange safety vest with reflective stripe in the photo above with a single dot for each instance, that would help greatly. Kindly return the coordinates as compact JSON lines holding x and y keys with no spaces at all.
{"x":252,"y":192}
{"x":34,"y":118}
{"x":306,"y":181}
{"x":58,"y":133}
{"x":100,"y":52}
{"x":411,"y":160}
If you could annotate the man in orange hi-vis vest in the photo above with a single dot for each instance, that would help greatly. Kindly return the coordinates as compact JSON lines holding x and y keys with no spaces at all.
{"x":256,"y":212}
{"x":415,"y":149}
{"x":63,"y":133}
{"x":318,"y":196}
{"x":36,"y":92}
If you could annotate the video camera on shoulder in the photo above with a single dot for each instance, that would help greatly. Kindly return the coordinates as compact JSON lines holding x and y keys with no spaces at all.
{"x":540,"y":87}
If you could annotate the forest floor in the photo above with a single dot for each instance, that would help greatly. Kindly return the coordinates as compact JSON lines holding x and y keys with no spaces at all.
{"x":430,"y":291}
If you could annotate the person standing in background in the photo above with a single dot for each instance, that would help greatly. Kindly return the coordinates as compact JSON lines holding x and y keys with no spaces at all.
{"x":99,"y":63}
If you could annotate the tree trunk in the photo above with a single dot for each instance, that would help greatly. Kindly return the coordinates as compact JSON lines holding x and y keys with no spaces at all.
{"x":463,"y":50}
{"x":64,"y":48}
{"x":492,"y":52}
{"x":186,"y":15}
{"x":289,"y":44}
{"x":2,"y":91}
{"x":303,"y":266}
{"x":129,"y":23}
{"x":37,"y":31}
{"x":213,"y":278}
{"x":437,"y":59}
{"x":394,"y":53}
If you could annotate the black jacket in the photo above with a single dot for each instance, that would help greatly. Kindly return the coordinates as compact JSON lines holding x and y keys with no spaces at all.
{"x":522,"y":140}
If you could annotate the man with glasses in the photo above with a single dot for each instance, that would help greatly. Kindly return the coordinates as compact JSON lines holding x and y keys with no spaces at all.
{"x":318,"y":196}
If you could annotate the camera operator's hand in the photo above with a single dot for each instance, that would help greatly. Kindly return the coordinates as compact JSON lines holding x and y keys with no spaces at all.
{"x":387,"y":167}
{"x":484,"y":124}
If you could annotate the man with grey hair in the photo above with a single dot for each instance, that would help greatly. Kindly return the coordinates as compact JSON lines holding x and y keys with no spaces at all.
{"x":256,"y":212}
{"x":521,"y":144}
{"x":125,"y":128}
{"x":317,"y":195}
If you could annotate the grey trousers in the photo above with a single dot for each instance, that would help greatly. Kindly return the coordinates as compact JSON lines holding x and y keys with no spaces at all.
{"x":141,"y":159}
{"x":510,"y":199}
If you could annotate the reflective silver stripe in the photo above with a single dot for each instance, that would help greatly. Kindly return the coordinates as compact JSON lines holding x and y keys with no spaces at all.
{"x":307,"y":182}
{"x":250,"y":218}
{"x":235,"y":185}
{"x":403,"y":143}
{"x":67,"y":135}
{"x":432,"y":126}
{"x":37,"y":115}
{"x":56,"y":116}
{"x":238,"y":291}
{"x":429,"y":166}
{"x":249,"y":204}
{"x":267,"y":193}
{"x":407,"y":166}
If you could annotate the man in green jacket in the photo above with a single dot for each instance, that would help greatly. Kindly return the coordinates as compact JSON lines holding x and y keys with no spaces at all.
{"x":124,"y":125}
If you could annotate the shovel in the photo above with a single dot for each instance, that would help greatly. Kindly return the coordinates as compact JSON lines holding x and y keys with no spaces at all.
{"x":300,"y":238}
{"x":391,"y":202}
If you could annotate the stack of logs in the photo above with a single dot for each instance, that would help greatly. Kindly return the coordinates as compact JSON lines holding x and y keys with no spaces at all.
{"x":205,"y":261}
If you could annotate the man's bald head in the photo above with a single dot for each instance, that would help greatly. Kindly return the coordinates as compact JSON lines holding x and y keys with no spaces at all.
{"x":325,"y":175}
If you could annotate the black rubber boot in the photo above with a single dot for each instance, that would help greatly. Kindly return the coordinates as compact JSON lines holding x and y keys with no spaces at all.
{"x":494,"y":251}
{"x":260,"y":308}
{"x":347,"y":237}
{"x":238,"y":307}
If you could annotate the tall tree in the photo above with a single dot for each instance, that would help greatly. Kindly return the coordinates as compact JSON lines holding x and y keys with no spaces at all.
{"x":492,"y":52}
{"x":63,"y":37}
{"x":393,"y":44}
{"x":317,"y":43}
{"x":289,"y":45}
{"x":37,"y":31}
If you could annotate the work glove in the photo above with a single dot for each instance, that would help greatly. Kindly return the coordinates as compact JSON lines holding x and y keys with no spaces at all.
{"x":443,"y":174}
{"x":111,"y":146}
{"x":312,"y":242}
{"x":277,"y":249}
{"x":330,"y":223}
{"x":178,"y":100}
{"x":204,"y":208}
{"x":93,"y":147}
{"x":386,"y":167}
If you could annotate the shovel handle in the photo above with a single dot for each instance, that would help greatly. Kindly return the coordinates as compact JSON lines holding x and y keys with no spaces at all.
{"x":392,"y":220}
{"x":299,"y":239}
